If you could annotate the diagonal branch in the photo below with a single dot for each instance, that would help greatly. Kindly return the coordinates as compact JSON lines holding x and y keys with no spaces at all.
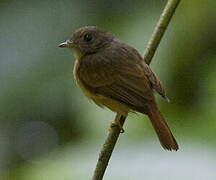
{"x":153,"y":43}
{"x":160,"y":29}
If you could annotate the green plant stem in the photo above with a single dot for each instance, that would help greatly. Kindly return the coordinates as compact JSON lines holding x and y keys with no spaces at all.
{"x":107,"y":149}
{"x":160,"y":29}
{"x":153,"y":43}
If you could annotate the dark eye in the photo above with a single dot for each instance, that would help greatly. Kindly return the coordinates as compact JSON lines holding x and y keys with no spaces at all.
{"x":88,"y":37}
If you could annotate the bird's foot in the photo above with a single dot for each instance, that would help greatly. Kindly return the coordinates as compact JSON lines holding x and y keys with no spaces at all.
{"x":118,"y":124}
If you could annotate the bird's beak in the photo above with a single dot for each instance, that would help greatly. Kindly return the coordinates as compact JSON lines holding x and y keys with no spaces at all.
{"x":66,"y":44}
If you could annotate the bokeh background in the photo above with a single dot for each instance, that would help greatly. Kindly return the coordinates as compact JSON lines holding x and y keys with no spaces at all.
{"x":49,"y":130}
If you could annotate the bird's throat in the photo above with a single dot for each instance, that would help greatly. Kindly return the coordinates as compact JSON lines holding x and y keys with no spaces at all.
{"x":77,"y":53}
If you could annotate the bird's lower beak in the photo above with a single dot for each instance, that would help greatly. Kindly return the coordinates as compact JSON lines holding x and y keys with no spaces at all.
{"x":66,"y":44}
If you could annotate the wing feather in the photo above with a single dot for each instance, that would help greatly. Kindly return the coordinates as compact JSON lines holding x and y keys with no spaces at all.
{"x":120,"y":74}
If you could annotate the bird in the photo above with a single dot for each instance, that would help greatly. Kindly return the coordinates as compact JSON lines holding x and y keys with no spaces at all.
{"x":114,"y":75}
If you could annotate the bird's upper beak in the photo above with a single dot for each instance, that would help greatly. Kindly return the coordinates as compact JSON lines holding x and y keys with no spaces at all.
{"x":66,"y":44}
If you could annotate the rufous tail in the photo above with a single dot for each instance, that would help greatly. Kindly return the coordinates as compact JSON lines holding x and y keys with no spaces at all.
{"x":162,"y":129}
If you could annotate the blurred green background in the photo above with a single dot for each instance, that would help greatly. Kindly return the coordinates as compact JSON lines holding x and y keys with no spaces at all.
{"x":49,"y":130}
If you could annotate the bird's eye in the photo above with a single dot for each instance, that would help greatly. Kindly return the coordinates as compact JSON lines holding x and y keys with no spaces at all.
{"x":88,"y":37}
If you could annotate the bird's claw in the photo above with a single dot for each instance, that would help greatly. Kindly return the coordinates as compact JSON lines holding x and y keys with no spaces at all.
{"x":118,"y":124}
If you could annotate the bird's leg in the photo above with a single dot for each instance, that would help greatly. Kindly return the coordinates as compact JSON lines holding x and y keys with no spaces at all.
{"x":117,"y":123}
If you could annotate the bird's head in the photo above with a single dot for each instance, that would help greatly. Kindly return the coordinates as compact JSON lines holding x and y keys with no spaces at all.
{"x":87,"y":40}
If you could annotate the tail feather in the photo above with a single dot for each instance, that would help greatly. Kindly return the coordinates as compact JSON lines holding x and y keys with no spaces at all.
{"x":162,"y":129}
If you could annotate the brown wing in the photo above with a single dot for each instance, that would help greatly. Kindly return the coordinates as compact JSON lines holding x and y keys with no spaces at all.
{"x":155,"y":82}
{"x":118,"y":73}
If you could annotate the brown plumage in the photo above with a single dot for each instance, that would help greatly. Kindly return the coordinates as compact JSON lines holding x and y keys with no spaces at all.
{"x":114,"y":75}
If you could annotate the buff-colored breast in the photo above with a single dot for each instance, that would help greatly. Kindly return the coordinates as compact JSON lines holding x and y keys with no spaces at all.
{"x":100,"y":100}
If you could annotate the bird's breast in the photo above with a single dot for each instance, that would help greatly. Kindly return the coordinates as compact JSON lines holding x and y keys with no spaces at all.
{"x":90,"y":92}
{"x":79,"y":81}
